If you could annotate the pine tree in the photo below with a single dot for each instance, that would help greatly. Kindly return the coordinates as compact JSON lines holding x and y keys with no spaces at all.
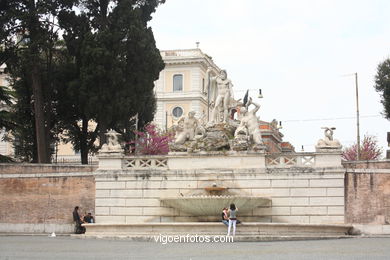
{"x":382,"y":85}
{"x":115,"y":65}
{"x":28,"y":37}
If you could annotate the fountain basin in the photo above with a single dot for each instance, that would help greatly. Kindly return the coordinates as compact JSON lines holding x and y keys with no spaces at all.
{"x":208,"y":205}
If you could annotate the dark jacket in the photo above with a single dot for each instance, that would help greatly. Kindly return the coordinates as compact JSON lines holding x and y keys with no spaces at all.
{"x":76,"y":216}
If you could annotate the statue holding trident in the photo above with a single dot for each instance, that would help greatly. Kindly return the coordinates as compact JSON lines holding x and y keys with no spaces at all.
{"x":223,"y":92}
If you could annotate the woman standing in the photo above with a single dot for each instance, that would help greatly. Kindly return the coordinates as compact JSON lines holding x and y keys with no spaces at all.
{"x":232,"y":218}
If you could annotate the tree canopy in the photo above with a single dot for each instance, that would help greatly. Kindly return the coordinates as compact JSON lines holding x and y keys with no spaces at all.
{"x":75,"y":62}
{"x":115,"y":65}
{"x":28,"y":38}
{"x":382,"y":85}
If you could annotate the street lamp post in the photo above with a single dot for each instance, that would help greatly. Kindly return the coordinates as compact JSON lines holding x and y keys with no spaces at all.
{"x":357,"y":118}
{"x":357,"y":115}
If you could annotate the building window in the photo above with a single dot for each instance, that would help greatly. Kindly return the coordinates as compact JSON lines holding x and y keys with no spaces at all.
{"x":177,"y":112}
{"x":177,"y":82}
{"x":203,"y":90}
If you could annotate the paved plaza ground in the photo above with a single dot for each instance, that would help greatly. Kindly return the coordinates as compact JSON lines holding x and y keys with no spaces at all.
{"x":65,"y":247}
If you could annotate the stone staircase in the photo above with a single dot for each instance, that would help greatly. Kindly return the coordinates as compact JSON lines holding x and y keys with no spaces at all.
{"x":245,"y":232}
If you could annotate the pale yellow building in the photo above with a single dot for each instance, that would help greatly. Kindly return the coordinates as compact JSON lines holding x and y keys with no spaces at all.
{"x":182,"y":86}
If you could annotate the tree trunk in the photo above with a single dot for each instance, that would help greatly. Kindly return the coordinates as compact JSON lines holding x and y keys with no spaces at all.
{"x":39,"y":113}
{"x":43,"y":154}
{"x":102,"y":134}
{"x":83,"y":142}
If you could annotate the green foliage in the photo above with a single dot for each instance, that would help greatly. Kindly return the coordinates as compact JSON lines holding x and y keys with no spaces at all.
{"x":103,"y":70}
{"x":5,"y":102}
{"x":382,"y":85}
{"x":115,"y":64}
{"x":23,"y":117}
{"x":6,"y":159}
{"x":29,"y":38}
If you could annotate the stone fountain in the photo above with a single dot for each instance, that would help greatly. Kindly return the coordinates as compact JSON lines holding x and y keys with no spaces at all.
{"x":213,"y":200}
{"x":164,"y":194}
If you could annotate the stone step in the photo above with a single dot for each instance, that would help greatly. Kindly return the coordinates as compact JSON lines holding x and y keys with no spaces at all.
{"x":237,"y":238}
{"x":248,"y":229}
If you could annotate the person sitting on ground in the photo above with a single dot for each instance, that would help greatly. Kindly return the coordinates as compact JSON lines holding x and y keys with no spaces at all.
{"x":225,"y":218}
{"x":78,"y":221}
{"x":89,"y":218}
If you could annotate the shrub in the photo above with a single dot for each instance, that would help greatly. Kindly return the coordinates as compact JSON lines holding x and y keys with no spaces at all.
{"x":151,"y":141}
{"x":369,"y":150}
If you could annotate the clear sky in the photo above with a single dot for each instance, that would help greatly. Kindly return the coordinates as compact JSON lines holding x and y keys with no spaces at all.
{"x":297,"y":52}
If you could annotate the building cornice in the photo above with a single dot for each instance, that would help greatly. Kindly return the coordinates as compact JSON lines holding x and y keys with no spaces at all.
{"x":188,"y":56}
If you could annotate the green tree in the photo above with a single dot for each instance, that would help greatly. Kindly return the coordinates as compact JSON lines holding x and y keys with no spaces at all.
{"x":5,"y":104}
{"x":382,"y":85}
{"x":114,"y":66}
{"x":28,"y":37}
{"x":6,"y":122}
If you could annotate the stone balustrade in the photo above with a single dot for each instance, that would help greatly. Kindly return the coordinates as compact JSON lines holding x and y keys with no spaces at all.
{"x":149,"y":162}
{"x":182,"y":53}
{"x":288,"y":160}
{"x":220,"y":161}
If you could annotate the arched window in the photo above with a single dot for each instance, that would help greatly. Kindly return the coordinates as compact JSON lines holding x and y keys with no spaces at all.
{"x":177,"y":82}
{"x":177,"y":112}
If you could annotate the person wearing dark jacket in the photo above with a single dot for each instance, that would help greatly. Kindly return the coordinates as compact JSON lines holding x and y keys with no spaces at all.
{"x":78,"y":221}
{"x":89,"y":218}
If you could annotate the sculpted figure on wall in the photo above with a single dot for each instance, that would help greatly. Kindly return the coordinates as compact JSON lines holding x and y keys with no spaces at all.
{"x":250,"y":123}
{"x":220,"y":112}
{"x":328,"y":140}
{"x":112,"y":144}
{"x":188,"y":127}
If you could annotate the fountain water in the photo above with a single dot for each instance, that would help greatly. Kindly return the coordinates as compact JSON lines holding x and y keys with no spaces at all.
{"x":212,"y":202}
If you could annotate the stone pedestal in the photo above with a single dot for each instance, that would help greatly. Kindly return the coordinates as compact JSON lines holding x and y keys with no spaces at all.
{"x":110,"y":160}
{"x":328,"y":157}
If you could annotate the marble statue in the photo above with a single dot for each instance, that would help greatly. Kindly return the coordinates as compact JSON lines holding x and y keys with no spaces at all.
{"x":328,"y":141}
{"x":250,"y":124}
{"x":112,"y":144}
{"x":200,"y":130}
{"x":188,"y":124}
{"x":220,"y":112}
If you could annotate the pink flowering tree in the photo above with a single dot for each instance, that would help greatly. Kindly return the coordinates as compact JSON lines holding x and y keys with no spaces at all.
{"x":369,"y":150}
{"x":151,"y":141}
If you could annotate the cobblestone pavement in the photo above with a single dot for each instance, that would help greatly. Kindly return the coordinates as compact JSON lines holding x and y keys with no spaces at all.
{"x":65,"y":247}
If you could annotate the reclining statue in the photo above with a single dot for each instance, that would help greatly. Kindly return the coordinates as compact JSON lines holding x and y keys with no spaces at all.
{"x":250,"y":124}
{"x":328,"y":141}
{"x":189,"y":126}
{"x":112,"y":144}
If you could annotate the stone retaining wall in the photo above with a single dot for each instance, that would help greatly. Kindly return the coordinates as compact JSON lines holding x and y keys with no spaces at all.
{"x":41,"y":198}
{"x":367,"y":196}
{"x":299,"y":195}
